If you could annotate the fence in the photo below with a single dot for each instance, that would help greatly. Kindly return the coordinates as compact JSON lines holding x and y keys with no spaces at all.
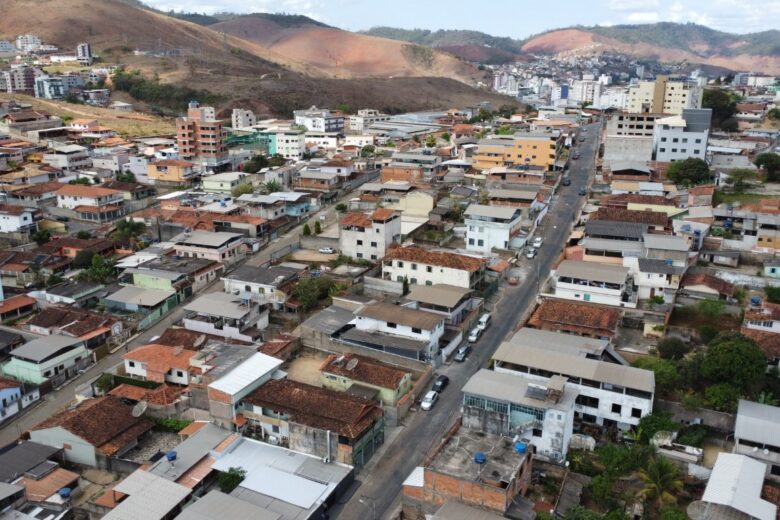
{"x":316,"y":242}
{"x":284,"y":251}
{"x":378,"y":287}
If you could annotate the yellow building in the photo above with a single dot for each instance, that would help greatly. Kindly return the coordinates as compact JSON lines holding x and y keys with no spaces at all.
{"x":663,"y":96}
{"x":171,"y":171}
{"x":538,"y":150}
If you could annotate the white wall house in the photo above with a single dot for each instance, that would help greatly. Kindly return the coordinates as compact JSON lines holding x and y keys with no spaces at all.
{"x":405,"y":322}
{"x":68,"y":157}
{"x":71,"y":196}
{"x":18,"y":219}
{"x":290,"y":144}
{"x":369,"y":236}
{"x":41,"y":359}
{"x":365,"y":118}
{"x":683,"y":136}
{"x":489,"y":227}
{"x":226,"y":315}
{"x":262,"y":285}
{"x":241,"y":119}
{"x":322,"y":139}
{"x":159,"y":363}
{"x":220,"y":247}
{"x":593,"y":282}
{"x":319,"y":120}
{"x":423,"y":267}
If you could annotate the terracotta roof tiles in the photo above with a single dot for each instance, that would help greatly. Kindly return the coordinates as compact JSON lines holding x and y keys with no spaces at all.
{"x":364,"y":370}
{"x":575,"y":317}
{"x":443,"y":259}
{"x":615,"y":214}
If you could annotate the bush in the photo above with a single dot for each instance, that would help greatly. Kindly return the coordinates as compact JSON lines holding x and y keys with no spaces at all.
{"x":772,"y":294}
{"x":734,"y":358}
{"x":672,"y":348}
{"x":689,"y":172}
{"x":656,"y":422}
{"x":306,"y":230}
{"x":165,"y":95}
{"x":230,"y":479}
{"x":341,"y":207}
{"x":693,"y":435}
{"x":105,"y":383}
{"x":317,"y":227}
{"x":171,"y":425}
{"x":666,"y":375}
{"x":707,"y":333}
{"x":722,"y":397}
{"x":84,"y":235}
{"x":83,"y":259}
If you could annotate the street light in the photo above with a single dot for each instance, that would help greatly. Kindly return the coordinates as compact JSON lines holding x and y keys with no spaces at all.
{"x":370,"y":503}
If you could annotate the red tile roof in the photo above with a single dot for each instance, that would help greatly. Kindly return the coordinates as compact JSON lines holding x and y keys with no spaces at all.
{"x":16,"y":302}
{"x":364,"y":369}
{"x":9,"y":383}
{"x":625,"y":198}
{"x":575,"y":317}
{"x":443,"y":259}
{"x":713,"y":282}
{"x":383,"y":214}
{"x":615,"y":214}
{"x":78,"y":190}
{"x":356,"y":219}
{"x":768,"y":342}
{"x":132,"y":392}
{"x":161,"y":358}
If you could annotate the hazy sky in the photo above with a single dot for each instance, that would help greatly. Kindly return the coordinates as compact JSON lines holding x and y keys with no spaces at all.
{"x":516,"y":18}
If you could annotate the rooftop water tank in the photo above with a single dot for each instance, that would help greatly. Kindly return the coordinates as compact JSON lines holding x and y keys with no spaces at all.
{"x":755,"y":301}
{"x":520,"y":448}
{"x":480,"y":458}
{"x":64,"y":492}
{"x":171,"y":456}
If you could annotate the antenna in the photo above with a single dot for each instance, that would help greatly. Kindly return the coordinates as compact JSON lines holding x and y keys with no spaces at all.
{"x":140,"y":408}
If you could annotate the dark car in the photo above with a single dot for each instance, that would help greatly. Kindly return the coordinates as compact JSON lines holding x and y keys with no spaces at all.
{"x":440,"y":384}
{"x":582,"y":139}
{"x":462,"y":353}
{"x":583,"y":192}
{"x":566,"y":181}
{"x":575,"y":156}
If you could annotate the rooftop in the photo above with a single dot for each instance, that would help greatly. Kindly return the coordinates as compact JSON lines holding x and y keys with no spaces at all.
{"x":246,"y":373}
{"x":438,"y":294}
{"x":608,"y":273}
{"x":616,"y":214}
{"x":615,"y":229}
{"x":402,"y":315}
{"x":575,"y":317}
{"x":161,"y":358}
{"x":665,"y":242}
{"x":443,"y":259}
{"x":649,"y":265}
{"x":78,"y":190}
{"x":150,"y":497}
{"x":213,"y":239}
{"x":496,"y":212}
{"x":190,"y":452}
{"x":575,"y":345}
{"x":41,"y":348}
{"x":736,"y":481}
{"x":138,"y":296}
{"x":274,"y":276}
{"x":757,"y":422}
{"x":23,"y":457}
{"x":510,"y":388}
{"x":330,"y":319}
{"x":364,"y":369}
{"x":219,"y":304}
{"x":216,"y":504}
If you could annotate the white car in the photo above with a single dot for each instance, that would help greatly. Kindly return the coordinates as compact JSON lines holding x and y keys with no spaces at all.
{"x":327,"y":250}
{"x":484,"y":321}
{"x":476,"y":332}
{"x":538,"y":241}
{"x":429,"y":400}
{"x":531,"y":253}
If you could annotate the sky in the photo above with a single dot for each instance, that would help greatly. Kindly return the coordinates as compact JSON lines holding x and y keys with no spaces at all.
{"x":514,"y":18}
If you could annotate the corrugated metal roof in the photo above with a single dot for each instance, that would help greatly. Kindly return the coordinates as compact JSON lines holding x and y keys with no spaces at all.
{"x":576,"y":345}
{"x":139,"y":296}
{"x":499,"y":212}
{"x":607,"y":273}
{"x":438,"y":294}
{"x":736,"y":481}
{"x":757,"y":422}
{"x":219,"y":505}
{"x":606,"y":244}
{"x":151,"y":497}
{"x":246,"y":373}
{"x":402,"y":315}
{"x":43,"y":347}
{"x":219,"y":304}
{"x":667,"y":242}
{"x":514,"y":389}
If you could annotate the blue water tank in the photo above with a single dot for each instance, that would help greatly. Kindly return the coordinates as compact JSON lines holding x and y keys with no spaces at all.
{"x":520,"y":448}
{"x":64,"y":492}
{"x":480,"y":458}
{"x":755,"y":301}
{"x":171,"y":456}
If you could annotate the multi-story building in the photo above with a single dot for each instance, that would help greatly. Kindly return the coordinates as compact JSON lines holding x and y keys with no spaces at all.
{"x":68,"y":157}
{"x":18,"y":219}
{"x":369,"y":236}
{"x":424,"y":267}
{"x":28,"y":42}
{"x":365,"y":118}
{"x":226,"y":315}
{"x":594,"y":282}
{"x":171,"y":171}
{"x":159,"y":363}
{"x":200,"y":137}
{"x":267,"y":286}
{"x":320,"y":119}
{"x":6,"y":47}
{"x":19,"y":78}
{"x":84,"y":53}
{"x":585,"y":91}
{"x":757,"y":435}
{"x":663,"y":96}
{"x":56,"y":87}
{"x":290,"y":143}
{"x":489,"y":227}
{"x":219,"y":246}
{"x":539,"y":150}
{"x":49,"y":357}
{"x":242,"y":119}
{"x":683,"y":136}
{"x":423,"y":159}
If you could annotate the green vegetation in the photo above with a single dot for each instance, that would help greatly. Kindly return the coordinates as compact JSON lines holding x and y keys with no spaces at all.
{"x":662,"y":482}
{"x":770,"y":163}
{"x":126,"y":177}
{"x":723,"y":106}
{"x":105,"y":383}
{"x":774,"y":114}
{"x":317,"y":227}
{"x":272,"y":186}
{"x":368,"y":151}
{"x":689,"y":172}
{"x":83,"y":235}
{"x":40,"y":236}
{"x":341,"y":207}
{"x":242,"y":189}
{"x":430,"y":141}
{"x":721,"y":197}
{"x":84,"y":181}
{"x":230,"y":479}
{"x":255,"y":164}
{"x":129,"y":231}
{"x":419,"y":55}
{"x":772,"y":294}
{"x":100,"y":270}
{"x":348,"y":260}
{"x":444,"y":38}
{"x":738,"y":179}
{"x":673,"y":348}
{"x":277,"y":160}
{"x":170,"y":425}
{"x":653,"y":423}
{"x":306,"y":230}
{"x":310,"y":291}
{"x":160,"y":95}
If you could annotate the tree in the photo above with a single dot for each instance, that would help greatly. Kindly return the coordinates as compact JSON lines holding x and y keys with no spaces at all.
{"x":126,"y":177}
{"x":767,"y":398}
{"x":84,"y":235}
{"x":405,"y":286}
{"x":671,"y":513}
{"x":711,"y":308}
{"x":672,"y":348}
{"x":255,"y":164}
{"x":505,"y":130}
{"x":105,"y":383}
{"x":40,"y":236}
{"x":100,"y":271}
{"x":310,"y":291}
{"x":272,"y":186}
{"x":772,"y":293}
{"x":242,"y":189}
{"x":368,"y":151}
{"x":770,"y":163}
{"x":730,"y":125}
{"x":54,"y":279}
{"x":83,"y":259}
{"x":774,"y":114}
{"x":738,"y":179}
{"x":81,"y":180}
{"x":129,"y":230}
{"x":662,"y":482}
{"x":317,"y":227}
{"x":666,"y":376}
{"x":722,"y":105}
{"x":230,"y":479}
{"x":722,"y":397}
{"x":341,"y":207}
{"x":446,"y":136}
{"x":306,"y":230}
{"x":430,"y":141}
{"x":277,"y":160}
{"x":689,"y":172}
{"x":656,"y":422}
{"x":344,"y":107}
{"x":734,"y":358}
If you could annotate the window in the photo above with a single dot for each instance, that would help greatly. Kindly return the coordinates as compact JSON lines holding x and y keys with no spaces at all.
{"x":675,"y":140}
{"x":360,"y":242}
{"x":399,"y":278}
{"x":698,"y":141}
{"x":616,"y":408}
{"x":248,"y":288}
{"x":179,"y":373}
{"x":131,"y":363}
{"x":662,"y":149}
{"x":373,"y":244}
{"x":428,"y":282}
{"x":775,"y":470}
{"x":400,"y":264}
{"x":359,"y":255}
{"x":373,"y":257}
{"x":471,"y":241}
{"x":697,"y":152}
{"x":429,"y":269}
{"x":674,"y":150}
{"x":584,"y":400}
{"x":274,"y":428}
{"x":685,"y":140}
{"x":391,"y":325}
{"x":663,"y":139}
{"x":480,"y":242}
{"x":416,"y":330}
{"x":636,"y":413}
{"x":537,"y":432}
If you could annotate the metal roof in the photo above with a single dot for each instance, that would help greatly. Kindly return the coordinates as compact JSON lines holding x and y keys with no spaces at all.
{"x":190,"y":452}
{"x":246,"y":373}
{"x":22,"y":457}
{"x":607,"y":244}
{"x":758,"y":422}
{"x":513,"y":194}
{"x":607,"y":273}
{"x":438,"y":294}
{"x":262,"y":275}
{"x":575,"y":345}
{"x":219,"y":505}
{"x":219,"y":304}
{"x":452,"y":510}
{"x":610,"y":228}
{"x":41,"y":348}
{"x":498,"y":212}
{"x":667,"y":242}
{"x":650,"y":265}
{"x":138,"y":296}
{"x":736,"y":481}
{"x":209,"y":238}
{"x":329,"y":320}
{"x":151,"y":497}
{"x":388,"y":312}
{"x":501,"y":386}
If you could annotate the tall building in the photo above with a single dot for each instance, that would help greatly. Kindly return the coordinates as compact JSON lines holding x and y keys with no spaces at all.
{"x":84,"y":53}
{"x":676,"y":138}
{"x":585,"y":91}
{"x":365,"y":118}
{"x":201,"y":137}
{"x":538,"y":150}
{"x":663,"y":96}
{"x":6,"y":47}
{"x":18,"y":79}
{"x":243,"y":119}
{"x":320,"y":120}
{"x":28,"y":42}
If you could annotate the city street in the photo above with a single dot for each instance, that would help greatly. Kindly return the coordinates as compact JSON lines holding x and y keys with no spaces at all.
{"x":381,"y":487}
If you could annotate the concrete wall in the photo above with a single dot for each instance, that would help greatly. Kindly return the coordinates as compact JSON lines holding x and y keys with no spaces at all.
{"x":378,"y":287}
{"x":314,"y":441}
{"x":719,"y":420}
{"x":76,"y":450}
{"x":316,"y":242}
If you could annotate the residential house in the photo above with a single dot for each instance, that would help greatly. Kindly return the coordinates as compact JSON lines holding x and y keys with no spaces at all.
{"x":582,"y":319}
{"x":666,"y":247}
{"x":734,"y":490}
{"x":185,"y":275}
{"x":683,"y":136}
{"x":16,"y":306}
{"x":14,"y":397}
{"x":756,"y":435}
{"x":748,"y":227}
{"x":455,"y":303}
{"x":317,"y":421}
{"x":706,"y":286}
{"x":541,"y":413}
{"x":369,"y":236}
{"x":24,"y":456}
{"x":266,"y":286}
{"x":425,"y":267}
{"x":148,"y":304}
{"x":263,"y":206}
{"x":365,"y":118}
{"x":297,"y":204}
{"x":224,"y":183}
{"x":489,"y":227}
{"x":130,"y":190}
{"x":18,"y":219}
{"x":226,"y":315}
{"x":92,"y":431}
{"x":315,"y":180}
{"x":171,"y":171}
{"x":68,"y":158}
{"x":592,"y":282}
{"x":655,"y":220}
{"x":54,"y":358}
{"x":91,"y":202}
{"x":405,"y":165}
{"x":157,"y":497}
{"x":223,"y":247}
{"x":657,"y":278}
{"x":766,"y":319}
{"x":159,"y":363}
{"x":37,"y":195}
{"x":91,"y":327}
{"x":290,"y":143}
{"x":320,"y":120}
{"x":201,"y":137}
{"x":361,"y":375}
{"x":8,"y":342}
{"x":537,"y":150}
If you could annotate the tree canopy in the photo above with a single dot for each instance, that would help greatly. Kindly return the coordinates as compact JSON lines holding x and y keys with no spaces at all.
{"x":255,"y":164}
{"x":242,"y":189}
{"x":734,"y":358}
{"x":689,"y":172}
{"x":770,"y":163}
{"x":722,"y":104}
{"x":739,"y":177}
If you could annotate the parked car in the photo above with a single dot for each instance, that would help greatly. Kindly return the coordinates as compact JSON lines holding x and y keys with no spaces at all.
{"x":484,"y":321}
{"x":475,"y":334}
{"x":575,"y":156}
{"x":583,"y":192}
{"x":462,"y":353}
{"x":582,"y":139}
{"x":538,"y":241}
{"x":327,"y":250}
{"x":530,"y":253}
{"x":440,"y":384}
{"x":429,"y":400}
{"x":566,"y":181}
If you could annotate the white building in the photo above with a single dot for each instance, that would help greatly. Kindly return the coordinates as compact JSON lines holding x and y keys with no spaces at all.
{"x":47,"y":357}
{"x":18,"y":219}
{"x":159,"y":363}
{"x":585,"y":91}
{"x":682,"y":136}
{"x":610,"y":394}
{"x":221,"y":246}
{"x":262,"y":285}
{"x":84,"y":53}
{"x":6,"y":47}
{"x":655,"y":277}
{"x":68,"y":157}
{"x":369,"y":236}
{"x":242,"y":119}
{"x":540,"y":412}
{"x":489,"y":227}
{"x":734,"y":490}
{"x":757,"y":435}
{"x":606,"y":284}
{"x":325,"y":140}
{"x":28,"y":42}
{"x":319,"y":120}
{"x":72,"y":196}
{"x":290,"y":143}
{"x":662,"y":96}
{"x":611,"y":98}
{"x":226,"y":315}
{"x":423,"y":267}
{"x":365,"y":118}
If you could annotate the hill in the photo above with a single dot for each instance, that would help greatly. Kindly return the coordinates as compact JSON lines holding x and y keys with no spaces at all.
{"x":341,"y":53}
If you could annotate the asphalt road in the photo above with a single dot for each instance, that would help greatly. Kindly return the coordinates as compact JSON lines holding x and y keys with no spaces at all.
{"x":380,"y":487}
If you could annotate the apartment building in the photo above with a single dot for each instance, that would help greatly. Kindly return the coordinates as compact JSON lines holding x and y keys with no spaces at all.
{"x":421,"y":159}
{"x":663,"y":96}
{"x":242,"y":119}
{"x":585,"y":91}
{"x":489,"y":227}
{"x":320,"y":120}
{"x":290,"y":143}
{"x":683,"y":136}
{"x":20,"y":78}
{"x":28,"y":42}
{"x":92,"y":202}
{"x":424,"y":267}
{"x":201,"y":137}
{"x":369,"y":236}
{"x":220,"y":246}
{"x":365,"y":118}
{"x":538,"y":150}
{"x":171,"y":171}
{"x":593,"y":282}
{"x":68,"y":157}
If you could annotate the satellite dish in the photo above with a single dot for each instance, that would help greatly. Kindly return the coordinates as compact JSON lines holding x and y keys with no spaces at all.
{"x":140,"y":408}
{"x":199,"y":340}
{"x":352,"y":364}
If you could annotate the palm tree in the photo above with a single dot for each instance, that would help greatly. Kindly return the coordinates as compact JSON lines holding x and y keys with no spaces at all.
{"x":661,"y":480}
{"x":272,"y":186}
{"x":129,"y":231}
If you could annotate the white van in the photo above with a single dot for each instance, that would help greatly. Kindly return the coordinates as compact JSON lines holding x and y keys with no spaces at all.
{"x":484,"y":321}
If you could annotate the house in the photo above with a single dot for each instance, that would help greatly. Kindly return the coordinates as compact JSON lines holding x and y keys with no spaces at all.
{"x":682,"y":136}
{"x":369,"y":236}
{"x":361,"y":375}
{"x":171,"y":171}
{"x":405,"y":165}
{"x":225,"y":182}
{"x":263,"y":206}
{"x":315,"y":180}
{"x":615,"y":230}
{"x":611,"y":250}
{"x":655,"y":220}
{"x":91,"y":327}
{"x":18,"y":219}
{"x":69,"y":157}
{"x":582,"y":319}
{"x":707,"y":286}
{"x":74,"y":293}
{"x":130,"y":190}
{"x":610,"y":394}
{"x":756,"y":435}
{"x":14,"y":397}
{"x":186,"y":276}
{"x":725,"y":258}
{"x":317,"y":421}
{"x":734,"y":490}
{"x":146,"y":494}
{"x":271,"y":285}
{"x":748,"y":227}
{"x":159,"y":363}
{"x":91,"y":202}
{"x":16,"y":306}
{"x":657,"y":278}
{"x":320,"y":120}
{"x":489,"y":227}
{"x":54,"y":358}
{"x":215,"y":503}
{"x":591,"y":282}
{"x":424,"y":267}
{"x":223,"y":247}
{"x":94,"y":430}
{"x":24,"y":456}
{"x":542,"y":412}
{"x":149,"y":304}
{"x":666,"y":247}
{"x":297,"y":204}
{"x":226,"y":315}
{"x":766,"y":319}
{"x":37,"y":195}
{"x":9,"y":341}
{"x":455,"y":303}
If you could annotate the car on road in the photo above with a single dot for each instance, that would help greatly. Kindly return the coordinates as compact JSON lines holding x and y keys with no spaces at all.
{"x":475,"y":334}
{"x":462,"y":353}
{"x":575,"y":156}
{"x":327,"y":250}
{"x":429,"y":400}
{"x":582,"y":139}
{"x":583,"y":192}
{"x":566,"y":181}
{"x":538,"y":241}
{"x":530,"y":253}
{"x":484,"y":321}
{"x":440,"y":384}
